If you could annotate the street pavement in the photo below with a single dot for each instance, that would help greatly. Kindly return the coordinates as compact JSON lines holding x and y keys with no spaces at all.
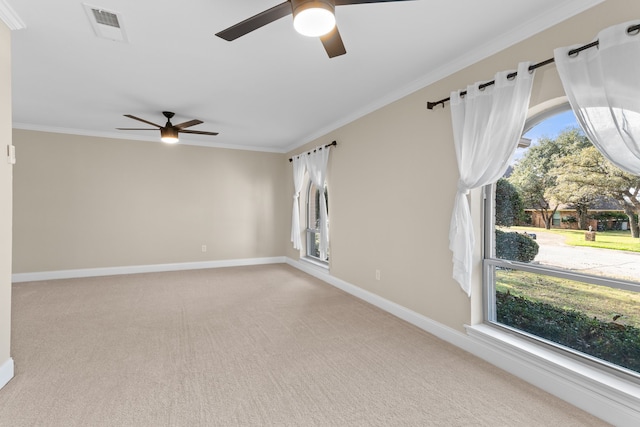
{"x":601,"y":262}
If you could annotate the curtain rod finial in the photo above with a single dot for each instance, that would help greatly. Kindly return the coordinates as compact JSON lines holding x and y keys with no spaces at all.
{"x":432,"y":105}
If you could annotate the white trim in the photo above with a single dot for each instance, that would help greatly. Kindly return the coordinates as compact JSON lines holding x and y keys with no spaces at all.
{"x":184,"y":140}
{"x":315,"y":262}
{"x":604,"y":395}
{"x":134,"y":269}
{"x":10,"y":17}
{"x":6,"y":372}
{"x":443,"y":332}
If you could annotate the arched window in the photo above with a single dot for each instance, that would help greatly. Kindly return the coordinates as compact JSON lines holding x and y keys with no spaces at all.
{"x":561,"y":246}
{"x":313,"y":222}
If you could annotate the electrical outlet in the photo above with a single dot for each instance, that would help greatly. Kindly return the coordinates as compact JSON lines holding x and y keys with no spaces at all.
{"x":204,"y":248}
{"x":377,"y":274}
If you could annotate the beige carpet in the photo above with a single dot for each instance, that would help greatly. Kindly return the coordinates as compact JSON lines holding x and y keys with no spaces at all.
{"x":264,"y":345}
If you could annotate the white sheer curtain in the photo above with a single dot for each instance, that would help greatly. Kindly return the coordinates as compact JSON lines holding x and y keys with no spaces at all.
{"x":299,"y":167}
{"x":317,"y":168}
{"x":487,"y":125}
{"x":603,"y":87}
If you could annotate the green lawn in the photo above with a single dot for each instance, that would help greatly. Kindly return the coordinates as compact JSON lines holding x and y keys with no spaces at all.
{"x":601,"y":302}
{"x":617,"y":240}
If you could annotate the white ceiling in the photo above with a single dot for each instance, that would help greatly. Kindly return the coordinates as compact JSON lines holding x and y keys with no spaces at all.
{"x":271,"y":90}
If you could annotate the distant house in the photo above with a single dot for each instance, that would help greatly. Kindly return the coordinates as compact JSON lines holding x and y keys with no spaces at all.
{"x":605,"y":214}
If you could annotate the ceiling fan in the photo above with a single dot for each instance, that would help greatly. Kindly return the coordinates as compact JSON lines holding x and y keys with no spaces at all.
{"x":169,"y":132}
{"x":313,"y":18}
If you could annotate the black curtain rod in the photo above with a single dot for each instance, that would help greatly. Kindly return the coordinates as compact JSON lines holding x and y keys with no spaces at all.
{"x":313,"y":151}
{"x":632,"y":29}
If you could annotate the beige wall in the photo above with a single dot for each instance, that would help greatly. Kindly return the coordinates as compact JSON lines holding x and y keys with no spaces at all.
{"x":5,"y":194}
{"x":393,"y":176}
{"x":87,"y":202}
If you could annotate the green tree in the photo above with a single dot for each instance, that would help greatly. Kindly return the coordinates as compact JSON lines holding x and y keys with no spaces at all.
{"x":509,"y":206}
{"x":589,"y":173}
{"x":531,"y":175}
{"x":570,"y":188}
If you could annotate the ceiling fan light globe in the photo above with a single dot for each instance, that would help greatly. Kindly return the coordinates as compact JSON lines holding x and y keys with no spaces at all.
{"x":313,"y":18}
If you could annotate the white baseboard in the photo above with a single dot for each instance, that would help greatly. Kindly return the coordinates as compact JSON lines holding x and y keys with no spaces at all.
{"x":443,"y":332}
{"x":604,"y":395}
{"x":152,"y":268}
{"x":6,"y":372}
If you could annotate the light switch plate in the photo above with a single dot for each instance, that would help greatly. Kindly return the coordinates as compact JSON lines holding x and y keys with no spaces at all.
{"x":11,"y":154}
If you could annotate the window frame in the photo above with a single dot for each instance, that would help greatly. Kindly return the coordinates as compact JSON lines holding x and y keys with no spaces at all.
{"x":311,"y":232}
{"x":490,"y":263}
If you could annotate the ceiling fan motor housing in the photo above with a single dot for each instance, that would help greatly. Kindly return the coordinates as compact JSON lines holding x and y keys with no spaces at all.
{"x":300,"y":5}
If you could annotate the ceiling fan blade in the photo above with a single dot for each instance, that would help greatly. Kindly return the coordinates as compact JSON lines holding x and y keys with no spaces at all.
{"x":256,"y":21}
{"x":198,"y":132}
{"x":137,"y":129}
{"x":142,"y":120}
{"x":188,"y":124}
{"x":345,"y":2}
{"x":332,"y":43}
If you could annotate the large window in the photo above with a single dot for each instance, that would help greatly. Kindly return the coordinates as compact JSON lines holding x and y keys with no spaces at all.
{"x":313,"y":222}
{"x":562,"y":253}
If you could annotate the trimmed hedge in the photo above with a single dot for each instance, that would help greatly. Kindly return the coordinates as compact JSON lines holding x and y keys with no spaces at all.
{"x":515,"y":247}
{"x":610,"y":341}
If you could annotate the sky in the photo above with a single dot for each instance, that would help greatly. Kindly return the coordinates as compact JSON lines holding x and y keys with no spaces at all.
{"x":552,"y":126}
{"x":549,"y":128}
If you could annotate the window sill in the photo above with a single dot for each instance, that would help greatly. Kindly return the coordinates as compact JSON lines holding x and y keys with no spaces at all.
{"x":315,"y":262}
{"x":560,"y":375}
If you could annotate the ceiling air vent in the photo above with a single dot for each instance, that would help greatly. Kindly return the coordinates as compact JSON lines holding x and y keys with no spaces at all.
{"x":106,"y":18}
{"x":107,"y":24}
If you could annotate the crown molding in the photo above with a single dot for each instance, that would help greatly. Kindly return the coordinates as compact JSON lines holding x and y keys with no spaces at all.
{"x":10,"y":17}
{"x":525,"y":30}
{"x":184,"y":140}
